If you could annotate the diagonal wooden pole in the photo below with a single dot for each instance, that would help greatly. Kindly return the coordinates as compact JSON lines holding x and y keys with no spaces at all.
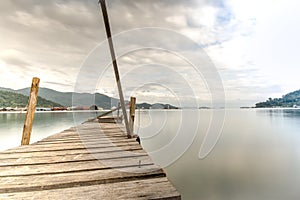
{"x":115,"y":65}
{"x":30,"y":111}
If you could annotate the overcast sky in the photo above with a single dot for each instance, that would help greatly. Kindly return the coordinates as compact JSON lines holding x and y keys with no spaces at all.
{"x":253,"y":45}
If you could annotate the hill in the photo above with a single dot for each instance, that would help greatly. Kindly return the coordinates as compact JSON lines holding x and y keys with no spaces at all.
{"x":155,"y":106}
{"x":143,"y":106}
{"x":162,"y":106}
{"x":6,"y":89}
{"x":289,"y":100}
{"x":13,"y":99}
{"x":68,"y":99}
{"x":74,"y":99}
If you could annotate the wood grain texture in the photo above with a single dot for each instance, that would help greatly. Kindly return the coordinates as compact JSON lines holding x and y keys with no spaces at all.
{"x":89,"y":161}
{"x":132,"y":114}
{"x":30,"y":111}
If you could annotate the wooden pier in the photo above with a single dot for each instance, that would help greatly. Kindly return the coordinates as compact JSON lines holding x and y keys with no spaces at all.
{"x":91,"y":161}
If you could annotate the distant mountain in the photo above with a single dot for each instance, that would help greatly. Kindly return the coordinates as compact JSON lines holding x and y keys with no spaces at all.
{"x":68,"y":99}
{"x":13,"y":99}
{"x":163,"y":106}
{"x":289,"y":100}
{"x":155,"y":106}
{"x":143,"y":105}
{"x":6,"y":89}
{"x":74,"y":99}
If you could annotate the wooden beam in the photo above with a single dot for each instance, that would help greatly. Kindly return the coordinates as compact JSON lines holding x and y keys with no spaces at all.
{"x":109,"y":112}
{"x":115,"y":65}
{"x":30,"y":111}
{"x":98,"y":164}
{"x":132,"y":113}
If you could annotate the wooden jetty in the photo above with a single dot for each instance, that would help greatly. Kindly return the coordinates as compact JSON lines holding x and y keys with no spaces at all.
{"x":90,"y":161}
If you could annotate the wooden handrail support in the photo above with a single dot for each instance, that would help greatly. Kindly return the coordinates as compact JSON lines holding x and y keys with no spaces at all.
{"x":108,"y":112}
{"x":30,"y":111}
{"x":132,"y":114}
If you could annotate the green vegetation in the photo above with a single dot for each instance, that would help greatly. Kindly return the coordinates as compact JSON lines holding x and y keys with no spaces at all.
{"x":12,"y":99}
{"x":155,"y":106}
{"x":50,"y":98}
{"x":68,"y":99}
{"x":288,"y":100}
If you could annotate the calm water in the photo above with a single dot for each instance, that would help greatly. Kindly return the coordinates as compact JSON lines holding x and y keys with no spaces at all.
{"x":256,"y":157}
{"x":45,"y":124}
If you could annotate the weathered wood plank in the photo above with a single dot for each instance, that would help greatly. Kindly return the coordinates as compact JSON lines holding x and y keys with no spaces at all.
{"x":73,"y":179}
{"x":65,"y":158}
{"x":138,"y":190}
{"x":72,"y":146}
{"x":121,"y":162}
{"x":39,"y":154}
{"x":82,"y":163}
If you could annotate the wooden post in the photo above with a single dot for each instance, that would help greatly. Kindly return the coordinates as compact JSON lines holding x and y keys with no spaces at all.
{"x":118,"y":114}
{"x":132,"y":113}
{"x":30,"y":111}
{"x":115,"y":65}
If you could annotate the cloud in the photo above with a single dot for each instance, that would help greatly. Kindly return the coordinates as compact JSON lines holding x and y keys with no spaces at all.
{"x":14,"y":58}
{"x":52,"y":39}
{"x":59,"y":84}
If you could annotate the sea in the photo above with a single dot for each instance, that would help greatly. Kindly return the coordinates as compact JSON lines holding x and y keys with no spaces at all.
{"x":209,"y":154}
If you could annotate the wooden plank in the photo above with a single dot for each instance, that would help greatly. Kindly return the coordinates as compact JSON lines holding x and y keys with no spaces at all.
{"x":158,"y":188}
{"x":79,"y":140}
{"x":66,"y":147}
{"x":99,"y":141}
{"x":26,"y":161}
{"x":74,"y":152}
{"x":86,"y":160}
{"x":73,"y":179}
{"x":58,"y":167}
{"x":61,"y":156}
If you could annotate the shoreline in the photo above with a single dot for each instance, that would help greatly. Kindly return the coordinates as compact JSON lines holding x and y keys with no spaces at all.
{"x":99,"y":111}
{"x":58,"y":111}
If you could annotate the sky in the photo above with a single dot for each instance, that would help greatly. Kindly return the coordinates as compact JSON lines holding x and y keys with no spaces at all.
{"x":183,"y":52}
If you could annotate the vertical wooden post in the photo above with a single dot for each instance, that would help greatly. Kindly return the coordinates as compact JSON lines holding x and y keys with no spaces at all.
{"x":118,"y":111}
{"x":30,"y":111}
{"x":132,"y":113}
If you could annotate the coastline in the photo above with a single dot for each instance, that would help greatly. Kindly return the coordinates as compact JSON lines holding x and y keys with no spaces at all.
{"x":58,"y":111}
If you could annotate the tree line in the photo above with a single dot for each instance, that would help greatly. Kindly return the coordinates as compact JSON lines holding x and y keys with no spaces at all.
{"x":289,"y":100}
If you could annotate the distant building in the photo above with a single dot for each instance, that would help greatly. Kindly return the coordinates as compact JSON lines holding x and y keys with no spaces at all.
{"x":58,"y":108}
{"x":43,"y":109}
{"x":9,"y":109}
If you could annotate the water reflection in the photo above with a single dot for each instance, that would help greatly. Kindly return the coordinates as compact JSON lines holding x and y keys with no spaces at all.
{"x":288,"y":112}
{"x":257,"y":157}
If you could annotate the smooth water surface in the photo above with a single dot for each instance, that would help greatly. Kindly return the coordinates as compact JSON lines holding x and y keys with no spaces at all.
{"x":257,"y":156}
{"x":45,"y":124}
